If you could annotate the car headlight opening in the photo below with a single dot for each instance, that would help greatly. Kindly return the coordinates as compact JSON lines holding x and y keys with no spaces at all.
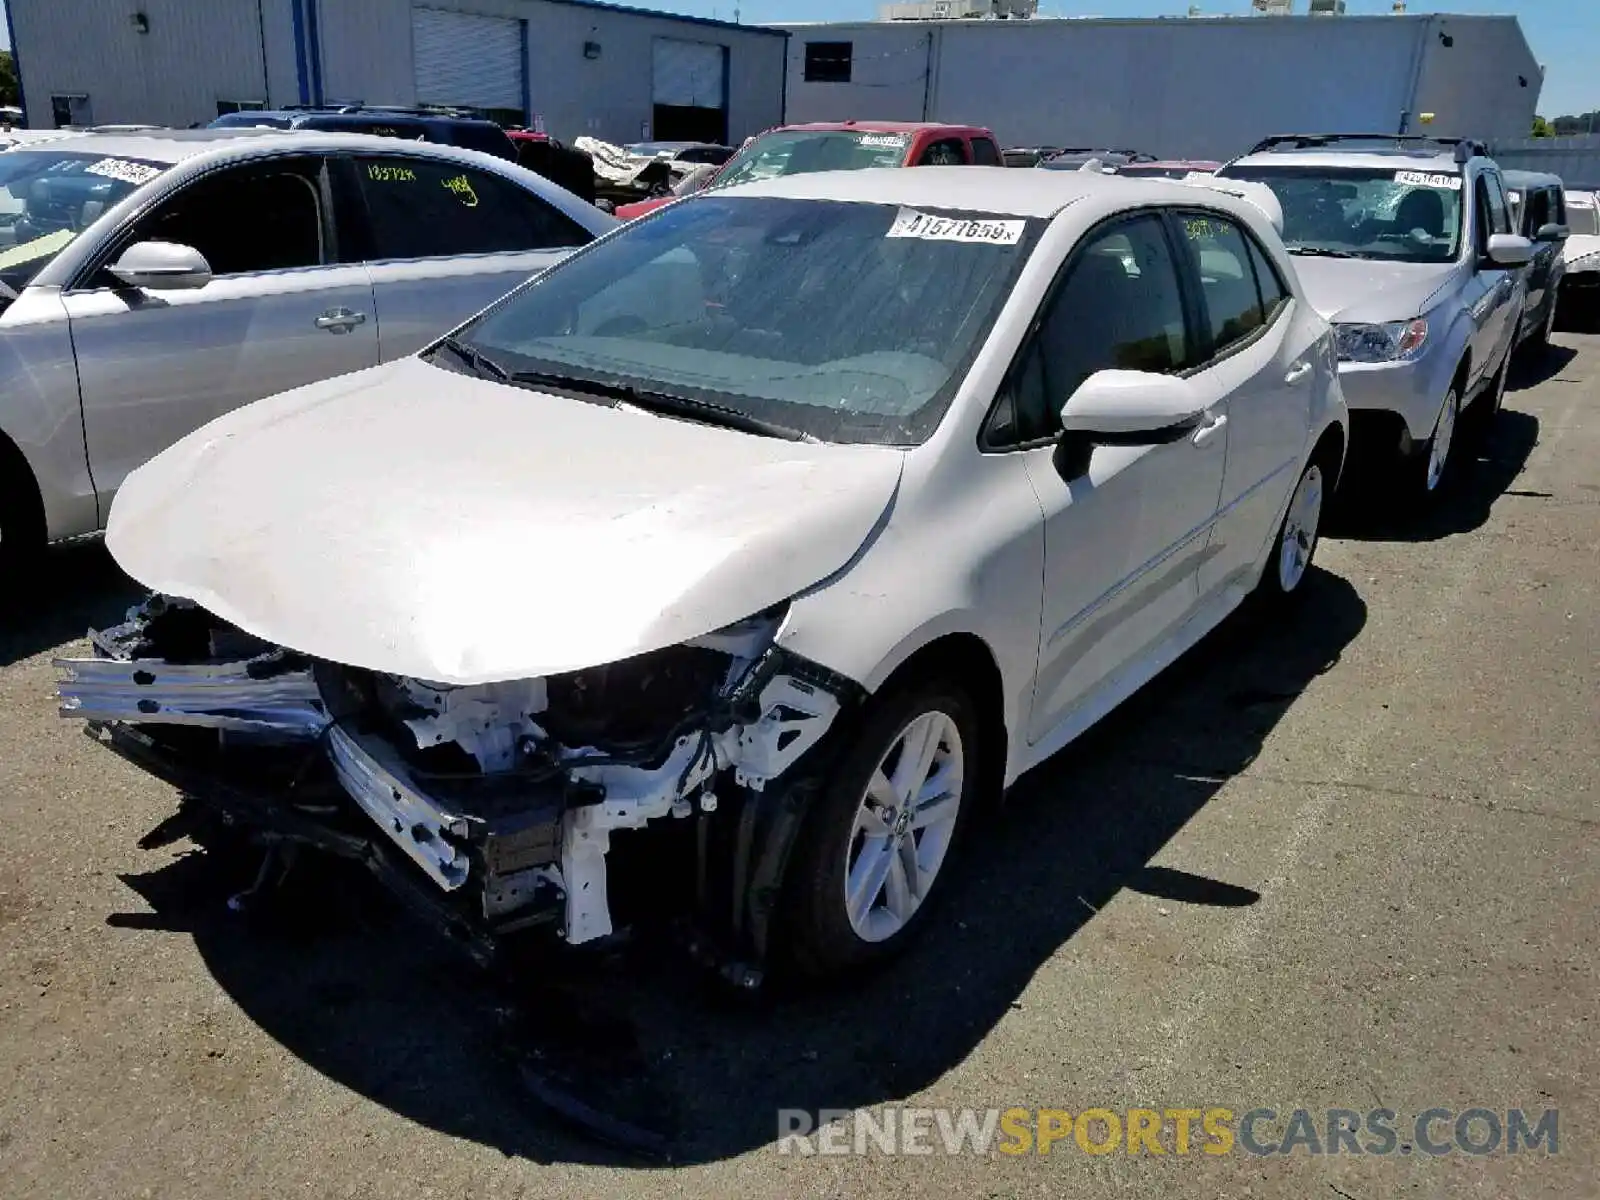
{"x":1391,"y":341}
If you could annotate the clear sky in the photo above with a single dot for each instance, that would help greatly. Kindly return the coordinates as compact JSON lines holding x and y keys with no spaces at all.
{"x":1565,"y":34}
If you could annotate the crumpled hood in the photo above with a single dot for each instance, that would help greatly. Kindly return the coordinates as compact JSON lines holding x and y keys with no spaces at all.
{"x":413,"y":520}
{"x":1360,"y":289}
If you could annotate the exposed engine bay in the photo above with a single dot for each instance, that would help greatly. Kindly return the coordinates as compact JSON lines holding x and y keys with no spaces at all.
{"x":503,"y":795}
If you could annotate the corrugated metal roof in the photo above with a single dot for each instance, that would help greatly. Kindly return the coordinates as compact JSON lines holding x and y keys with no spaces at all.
{"x":635,"y":11}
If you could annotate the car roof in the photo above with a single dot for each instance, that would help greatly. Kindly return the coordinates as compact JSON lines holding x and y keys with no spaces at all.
{"x":973,"y":189}
{"x":173,"y":146}
{"x":882,"y":127}
{"x":1382,"y":159}
{"x":1528,"y":179}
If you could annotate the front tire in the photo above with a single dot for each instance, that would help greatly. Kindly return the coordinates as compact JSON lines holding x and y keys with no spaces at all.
{"x":1297,"y":539}
{"x":883,"y":830}
{"x":1430,"y":470}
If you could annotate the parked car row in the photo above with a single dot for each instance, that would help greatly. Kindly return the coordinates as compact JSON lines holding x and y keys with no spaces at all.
{"x":810,"y":510}
{"x":595,"y":562}
{"x":153,"y":281}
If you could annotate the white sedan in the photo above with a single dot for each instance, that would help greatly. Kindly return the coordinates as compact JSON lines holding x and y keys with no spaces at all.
{"x":809,"y":512}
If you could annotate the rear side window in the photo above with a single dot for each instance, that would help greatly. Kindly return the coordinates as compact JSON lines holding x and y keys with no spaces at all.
{"x":430,"y":208}
{"x":1118,"y":306}
{"x":1538,"y":206}
{"x":1220,"y":253}
{"x":946,"y":152}
{"x":1499,"y":213}
{"x":985,"y":153}
{"x":1273,"y":294}
{"x":248,"y":219}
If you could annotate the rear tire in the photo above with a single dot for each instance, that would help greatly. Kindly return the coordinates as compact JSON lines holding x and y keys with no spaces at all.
{"x":1539,"y":339}
{"x":883,"y":831}
{"x":1296,"y":544}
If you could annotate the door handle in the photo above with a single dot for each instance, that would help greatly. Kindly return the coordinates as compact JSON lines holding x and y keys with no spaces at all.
{"x":339,"y":320}
{"x":1297,"y":372}
{"x":1205,"y":432}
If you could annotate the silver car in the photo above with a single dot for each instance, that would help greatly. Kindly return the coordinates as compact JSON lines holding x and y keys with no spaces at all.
{"x":151,"y":282}
{"x":1406,"y":244}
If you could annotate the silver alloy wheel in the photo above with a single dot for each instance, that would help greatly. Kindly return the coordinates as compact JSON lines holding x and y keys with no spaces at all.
{"x":1300,"y":526}
{"x":1439,"y":445}
{"x":904,"y":826}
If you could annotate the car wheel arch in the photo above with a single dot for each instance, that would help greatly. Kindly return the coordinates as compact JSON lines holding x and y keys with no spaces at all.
{"x":965,"y":659}
{"x":19,"y":486}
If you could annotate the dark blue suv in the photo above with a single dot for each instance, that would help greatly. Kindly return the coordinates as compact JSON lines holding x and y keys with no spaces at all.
{"x":415,"y":124}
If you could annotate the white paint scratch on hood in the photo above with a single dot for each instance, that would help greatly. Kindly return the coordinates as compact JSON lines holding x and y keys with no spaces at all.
{"x":413,"y":520}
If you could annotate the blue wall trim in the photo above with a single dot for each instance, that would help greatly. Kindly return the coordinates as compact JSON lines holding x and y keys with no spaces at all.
{"x":527,"y":90}
{"x":301,"y":76}
{"x":16,"y":67}
{"x":314,"y":38}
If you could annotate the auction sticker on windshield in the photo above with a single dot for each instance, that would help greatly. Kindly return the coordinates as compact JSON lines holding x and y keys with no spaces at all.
{"x":913,"y":224}
{"x":1450,"y":183}
{"x":892,"y":140}
{"x":121,"y":168}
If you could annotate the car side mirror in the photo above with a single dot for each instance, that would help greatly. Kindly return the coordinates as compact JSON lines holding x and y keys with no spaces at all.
{"x":1551,"y":233}
{"x":161,"y":267}
{"x":1124,"y":408}
{"x":1509,"y":250}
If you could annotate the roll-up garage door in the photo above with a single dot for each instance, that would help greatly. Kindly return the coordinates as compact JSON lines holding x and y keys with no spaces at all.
{"x":689,"y":90}
{"x":467,"y":59}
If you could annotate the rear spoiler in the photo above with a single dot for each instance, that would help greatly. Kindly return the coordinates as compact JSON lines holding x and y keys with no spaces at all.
{"x":1258,"y":195}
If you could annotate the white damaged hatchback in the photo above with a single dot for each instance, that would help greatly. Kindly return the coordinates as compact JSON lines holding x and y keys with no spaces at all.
{"x":800,"y":518}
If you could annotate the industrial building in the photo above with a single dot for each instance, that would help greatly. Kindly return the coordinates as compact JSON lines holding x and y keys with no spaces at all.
{"x":1194,"y":87}
{"x":573,"y":67}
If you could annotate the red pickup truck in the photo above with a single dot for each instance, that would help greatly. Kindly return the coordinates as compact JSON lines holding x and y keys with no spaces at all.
{"x":846,"y":146}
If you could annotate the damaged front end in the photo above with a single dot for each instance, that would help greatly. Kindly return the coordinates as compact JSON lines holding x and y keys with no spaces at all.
{"x":491,"y":806}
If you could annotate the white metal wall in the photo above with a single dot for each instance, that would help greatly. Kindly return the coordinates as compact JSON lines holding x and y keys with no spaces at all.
{"x":467,"y":59}
{"x":1201,"y":88}
{"x":687,"y":74}
{"x":1575,"y":159}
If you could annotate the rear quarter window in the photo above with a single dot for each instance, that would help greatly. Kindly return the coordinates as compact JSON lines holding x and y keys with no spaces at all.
{"x":434,"y":208}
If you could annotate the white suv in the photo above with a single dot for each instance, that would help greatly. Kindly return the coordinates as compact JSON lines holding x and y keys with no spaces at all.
{"x":809,"y":510}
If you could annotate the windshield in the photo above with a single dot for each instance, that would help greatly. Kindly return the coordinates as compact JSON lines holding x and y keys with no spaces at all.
{"x":48,"y":197}
{"x":799,"y":151}
{"x":1582,"y":221}
{"x":1401,"y":216}
{"x":842,"y":322}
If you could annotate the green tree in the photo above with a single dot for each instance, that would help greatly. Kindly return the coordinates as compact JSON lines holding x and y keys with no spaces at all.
{"x":1541,"y":128}
{"x":8,"y":79}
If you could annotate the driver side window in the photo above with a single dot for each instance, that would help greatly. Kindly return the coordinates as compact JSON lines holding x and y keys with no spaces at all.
{"x":261,"y":217}
{"x":1117,"y":306}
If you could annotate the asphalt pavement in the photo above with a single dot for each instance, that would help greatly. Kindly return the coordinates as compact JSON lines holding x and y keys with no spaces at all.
{"x":1349,"y":860}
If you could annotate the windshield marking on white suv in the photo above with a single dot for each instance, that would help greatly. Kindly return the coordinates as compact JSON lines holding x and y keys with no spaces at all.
{"x":1451,"y":183}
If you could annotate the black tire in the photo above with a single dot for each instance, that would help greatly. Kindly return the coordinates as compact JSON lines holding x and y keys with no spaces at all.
{"x":819,"y":937}
{"x":1278,"y":585}
{"x":1539,"y":340}
{"x":1419,"y":479}
{"x":22,"y":528}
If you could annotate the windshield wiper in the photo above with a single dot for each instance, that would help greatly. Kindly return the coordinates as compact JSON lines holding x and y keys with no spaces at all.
{"x":666,"y":403}
{"x":476,"y":359}
{"x":1321,"y":252}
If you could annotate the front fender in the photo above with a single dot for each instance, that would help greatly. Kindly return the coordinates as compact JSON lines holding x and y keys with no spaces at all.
{"x":39,"y":410}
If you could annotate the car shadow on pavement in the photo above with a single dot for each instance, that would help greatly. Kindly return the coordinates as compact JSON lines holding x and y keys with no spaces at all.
{"x":1371,"y":508}
{"x":355,"y":990}
{"x":76,"y":587}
